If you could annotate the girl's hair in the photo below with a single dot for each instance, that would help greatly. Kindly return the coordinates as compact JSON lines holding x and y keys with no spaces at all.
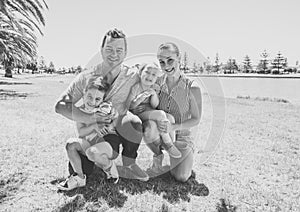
{"x":148,"y":65}
{"x":98,"y":84}
{"x":170,"y":45}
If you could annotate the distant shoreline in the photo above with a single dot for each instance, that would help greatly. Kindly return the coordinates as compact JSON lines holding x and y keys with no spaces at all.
{"x":290,"y":76}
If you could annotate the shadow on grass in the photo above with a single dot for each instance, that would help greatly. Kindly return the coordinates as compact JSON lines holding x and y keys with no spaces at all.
{"x":225,"y":206}
{"x":10,"y":94}
{"x":115,"y":194}
{"x":14,"y":83}
{"x":10,"y":185}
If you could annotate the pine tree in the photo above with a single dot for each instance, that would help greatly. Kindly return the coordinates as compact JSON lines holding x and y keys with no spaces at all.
{"x":216,"y":66}
{"x":247,"y":66}
{"x":263,"y":63}
{"x":279,"y":64}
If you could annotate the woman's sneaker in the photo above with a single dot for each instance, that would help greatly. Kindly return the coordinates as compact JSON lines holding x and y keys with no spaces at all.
{"x":73,"y":181}
{"x":173,"y":151}
{"x":112,"y":172}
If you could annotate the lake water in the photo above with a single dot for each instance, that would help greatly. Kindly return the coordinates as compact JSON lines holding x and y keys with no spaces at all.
{"x":288,"y":89}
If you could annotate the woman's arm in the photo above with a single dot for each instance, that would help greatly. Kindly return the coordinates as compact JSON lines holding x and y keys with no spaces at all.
{"x":195,"y":109}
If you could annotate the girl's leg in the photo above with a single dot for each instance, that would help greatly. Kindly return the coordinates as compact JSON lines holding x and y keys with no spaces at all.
{"x":181,"y":168}
{"x":152,"y":137}
{"x":73,"y":147}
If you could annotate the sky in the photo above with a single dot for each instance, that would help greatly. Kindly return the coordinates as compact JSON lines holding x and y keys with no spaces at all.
{"x":231,"y":28}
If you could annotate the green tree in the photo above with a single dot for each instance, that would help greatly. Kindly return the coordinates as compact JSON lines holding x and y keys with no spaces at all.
{"x":279,"y":64}
{"x":262,"y":66}
{"x":231,"y":66}
{"x":19,"y":20}
{"x":216,"y":67}
{"x":247,"y":66}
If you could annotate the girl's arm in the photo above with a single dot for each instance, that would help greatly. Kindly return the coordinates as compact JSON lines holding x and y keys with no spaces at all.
{"x":84,"y":130}
{"x":154,"y":100}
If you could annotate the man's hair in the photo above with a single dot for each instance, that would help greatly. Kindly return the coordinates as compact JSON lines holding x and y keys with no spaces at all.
{"x":114,"y":34}
{"x":170,"y":45}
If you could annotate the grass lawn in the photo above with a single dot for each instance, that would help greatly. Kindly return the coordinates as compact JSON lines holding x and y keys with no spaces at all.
{"x":255,"y":168}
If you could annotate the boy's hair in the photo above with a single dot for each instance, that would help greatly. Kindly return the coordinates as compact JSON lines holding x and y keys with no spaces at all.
{"x":115,"y":34}
{"x":169,"y":45}
{"x":97,"y":83}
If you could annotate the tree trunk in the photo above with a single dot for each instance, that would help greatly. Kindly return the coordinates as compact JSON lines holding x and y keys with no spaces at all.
{"x":8,"y":72}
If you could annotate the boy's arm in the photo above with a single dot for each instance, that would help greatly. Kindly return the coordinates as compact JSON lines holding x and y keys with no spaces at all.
{"x":84,"y":130}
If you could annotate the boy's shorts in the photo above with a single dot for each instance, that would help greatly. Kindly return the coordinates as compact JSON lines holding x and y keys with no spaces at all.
{"x":112,"y":139}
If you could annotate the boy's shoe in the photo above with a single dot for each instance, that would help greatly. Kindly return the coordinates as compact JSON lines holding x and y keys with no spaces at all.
{"x":157,"y":163}
{"x":73,"y":181}
{"x":138,"y":173}
{"x":112,"y":172}
{"x":173,"y":151}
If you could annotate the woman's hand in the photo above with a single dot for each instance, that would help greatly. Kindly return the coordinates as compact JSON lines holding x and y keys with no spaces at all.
{"x":165,"y":126}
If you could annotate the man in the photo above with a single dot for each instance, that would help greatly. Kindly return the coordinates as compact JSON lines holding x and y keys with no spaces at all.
{"x":120,"y":80}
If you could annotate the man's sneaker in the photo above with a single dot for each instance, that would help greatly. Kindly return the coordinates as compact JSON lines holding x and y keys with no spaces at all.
{"x":73,"y":181}
{"x":138,"y":173}
{"x":112,"y":172}
{"x":173,"y":151}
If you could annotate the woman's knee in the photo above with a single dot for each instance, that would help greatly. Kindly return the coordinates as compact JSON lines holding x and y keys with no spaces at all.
{"x":182,"y":177}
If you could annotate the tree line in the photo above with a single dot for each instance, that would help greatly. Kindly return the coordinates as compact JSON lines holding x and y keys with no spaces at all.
{"x":266,"y":65}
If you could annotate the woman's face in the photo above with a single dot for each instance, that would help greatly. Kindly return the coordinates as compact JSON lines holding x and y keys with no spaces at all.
{"x":169,"y":61}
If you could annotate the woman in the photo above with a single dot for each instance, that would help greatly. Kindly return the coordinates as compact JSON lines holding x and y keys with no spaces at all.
{"x":182,"y":101}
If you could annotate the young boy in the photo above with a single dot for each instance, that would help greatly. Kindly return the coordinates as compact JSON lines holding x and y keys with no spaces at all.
{"x":91,"y":142}
{"x":143,"y":93}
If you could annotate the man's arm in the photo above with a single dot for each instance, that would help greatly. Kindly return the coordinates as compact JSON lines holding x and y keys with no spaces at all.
{"x":66,"y":107}
{"x":66,"y":103}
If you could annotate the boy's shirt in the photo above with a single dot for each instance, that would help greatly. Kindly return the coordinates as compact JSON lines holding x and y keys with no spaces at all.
{"x":117,"y":93}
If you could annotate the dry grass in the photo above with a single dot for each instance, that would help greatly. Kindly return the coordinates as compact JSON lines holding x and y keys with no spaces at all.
{"x":256,"y":166}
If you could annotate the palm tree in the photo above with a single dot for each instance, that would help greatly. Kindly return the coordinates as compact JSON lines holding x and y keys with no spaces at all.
{"x":19,"y":19}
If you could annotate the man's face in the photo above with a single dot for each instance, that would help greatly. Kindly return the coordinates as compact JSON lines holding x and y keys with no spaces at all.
{"x":113,"y":51}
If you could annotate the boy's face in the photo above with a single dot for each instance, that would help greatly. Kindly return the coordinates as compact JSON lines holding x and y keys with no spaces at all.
{"x":149,"y":76}
{"x":92,"y":98}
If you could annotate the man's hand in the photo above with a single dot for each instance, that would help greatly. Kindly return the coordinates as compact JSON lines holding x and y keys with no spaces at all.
{"x":102,"y":130}
{"x":101,"y":118}
{"x":138,"y":109}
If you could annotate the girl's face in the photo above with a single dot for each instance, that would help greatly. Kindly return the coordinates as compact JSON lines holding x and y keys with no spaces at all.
{"x":169,"y":61}
{"x":92,"y":98}
{"x":149,"y":76}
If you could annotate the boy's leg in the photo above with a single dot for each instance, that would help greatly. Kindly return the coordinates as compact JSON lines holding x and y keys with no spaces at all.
{"x":74,"y":147}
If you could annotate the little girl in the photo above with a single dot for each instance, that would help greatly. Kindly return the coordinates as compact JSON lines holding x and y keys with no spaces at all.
{"x":91,"y":142}
{"x":143,"y":93}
